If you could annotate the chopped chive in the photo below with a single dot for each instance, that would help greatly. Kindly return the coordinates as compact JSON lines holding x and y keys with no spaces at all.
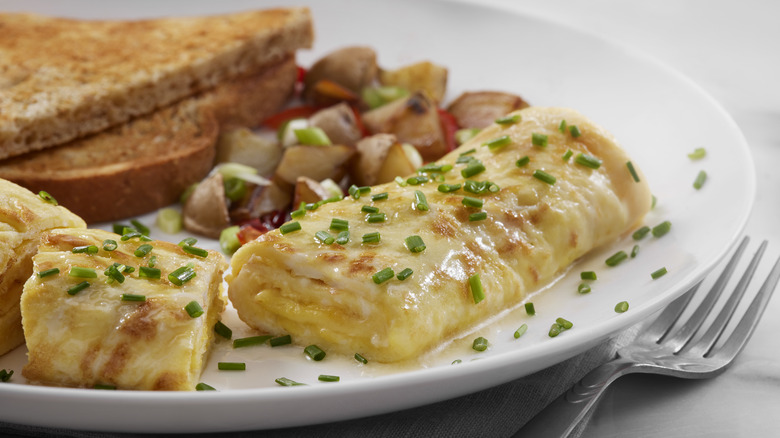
{"x":200,"y":252}
{"x":46,"y":197}
{"x":231,"y":366}
{"x":466,"y":134}
{"x":284,"y":381}
{"x":616,"y":258}
{"x":372,"y":237}
{"x":481,"y":216}
{"x":698,"y":154}
{"x":152,"y":261}
{"x":465,"y":159}
{"x":661,"y":229}
{"x":521,"y":331}
{"x":574,"y":131}
{"x":634,"y":251}
{"x":468,"y":201}
{"x":379,"y":196}
{"x":314,"y":352}
{"x":564,"y":323}
{"x":181,"y":275}
{"x":78,"y":271}
{"x":621,"y":307}
{"x":543,"y":176}
{"x":480,"y":344}
{"x":498,"y":143}
{"x":324,"y":237}
{"x":658,"y":273}
{"x":78,"y":288}
{"x":383,"y":275}
{"x":140,"y":227}
{"x":86,"y":249}
{"x":109,"y":245}
{"x":700,"y":179}
{"x":281,"y":340}
{"x":415,"y":243}
{"x":120,"y":228}
{"x":583,"y":288}
{"x":632,"y":170}
{"x":328,"y":378}
{"x":567,"y":155}
{"x":5,"y":375}
{"x":188,"y":241}
{"x":562,"y":126}
{"x":104,"y":386}
{"x":312,"y":136}
{"x":433,"y":167}
{"x":400,"y":181}
{"x":588,"y":275}
{"x":587,"y":161}
{"x":508,"y":120}
{"x":150,"y":273}
{"x":555,"y":330}
{"x":143,"y":250}
{"x":133,"y":297}
{"x":417,"y":180}
{"x":343,"y":237}
{"x":297,"y":214}
{"x":359,"y":357}
{"x":221,"y":329}
{"x":115,"y":273}
{"x":369,"y":209}
{"x":250,"y":341}
{"x":420,"y":202}
{"x":653,"y":202}
{"x":204,"y":387}
{"x":193,"y":309}
{"x":375,"y":218}
{"x":448,"y":188}
{"x":48,"y":272}
{"x":473,"y":168}
{"x":339,"y":224}
{"x":456,"y":361}
{"x":354,"y":191}
{"x":640,"y":233}
{"x":523,"y":161}
{"x":404,"y":274}
{"x":477,"y":292}
{"x":290,"y":227}
{"x":529,"y":309}
{"x":130,"y":235}
{"x":539,"y":139}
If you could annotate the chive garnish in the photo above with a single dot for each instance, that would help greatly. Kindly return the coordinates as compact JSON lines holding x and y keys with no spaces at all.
{"x":129,"y":234}
{"x":152,"y":261}
{"x":480,"y":344}
{"x":661,"y":229}
{"x":480,"y":187}
{"x":314,"y":352}
{"x":188,"y":241}
{"x":297,"y":214}
{"x":343,"y":237}
{"x":632,"y":171}
{"x":508,"y":120}
{"x":697,"y":154}
{"x":374,"y":218}
{"x":400,"y":181}
{"x":521,"y":331}
{"x":204,"y":387}
{"x":109,"y":245}
{"x":634,"y":251}
{"x":250,"y":341}
{"x":456,"y":361}
{"x":78,"y":271}
{"x":621,"y":307}
{"x":359,"y":357}
{"x":86,"y":249}
{"x":78,"y":288}
{"x":523,"y":161}
{"x":417,"y":180}
{"x":133,"y":297}
{"x":640,"y":233}
{"x":562,"y":126}
{"x":324,"y":237}
{"x":616,"y":258}
{"x":143,"y":250}
{"x":379,"y":196}
{"x":583,"y":288}
{"x":448,"y":188}
{"x":354,"y":191}
{"x":284,"y":381}
{"x":588,"y":275}
{"x":481,"y":216}
{"x":529,"y":309}
{"x":497,"y":143}
{"x":404,"y":274}
{"x":149,"y":272}
{"x":574,"y":131}
{"x":433,"y":167}
{"x":383,"y":275}
{"x":543,"y":176}
{"x":221,"y":329}
{"x":372,"y":237}
{"x":468,"y":201}
{"x":200,"y":252}
{"x":587,"y":161}
{"x":658,"y":273}
{"x":280,"y":340}
{"x":339,"y":224}
{"x":46,"y":197}
{"x":328,"y":378}
{"x":539,"y":139}
{"x":564,"y":323}
{"x":567,"y":155}
{"x":193,"y":309}
{"x":5,"y":376}
{"x":473,"y":168}
{"x":420,"y":202}
{"x":700,"y":179}
{"x":104,"y":386}
{"x":290,"y":227}
{"x":555,"y":330}
{"x":477,"y":292}
{"x":415,"y":243}
{"x":182,"y":275}
{"x":464,"y":159}
{"x":115,"y":273}
{"x":48,"y":272}
{"x":231,"y":366}
{"x":369,"y":209}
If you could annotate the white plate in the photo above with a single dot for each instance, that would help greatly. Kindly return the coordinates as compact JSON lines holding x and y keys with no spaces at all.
{"x":658,"y":115}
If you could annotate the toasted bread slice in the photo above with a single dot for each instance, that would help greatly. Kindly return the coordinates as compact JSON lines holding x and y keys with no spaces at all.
{"x":61,"y":79}
{"x":147,"y":163}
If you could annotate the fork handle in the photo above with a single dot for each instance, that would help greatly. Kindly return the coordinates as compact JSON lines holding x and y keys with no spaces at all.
{"x":559,"y":418}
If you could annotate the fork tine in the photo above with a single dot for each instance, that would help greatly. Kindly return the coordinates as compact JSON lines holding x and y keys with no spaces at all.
{"x":666,"y":320}
{"x":686,"y":332}
{"x":747,"y":324}
{"x":707,"y":341}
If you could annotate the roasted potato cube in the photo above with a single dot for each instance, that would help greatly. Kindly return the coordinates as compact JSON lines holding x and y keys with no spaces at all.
{"x":422,"y":76}
{"x":480,"y":109}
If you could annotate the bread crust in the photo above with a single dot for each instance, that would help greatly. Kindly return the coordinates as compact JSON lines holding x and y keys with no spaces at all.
{"x":61,"y":79}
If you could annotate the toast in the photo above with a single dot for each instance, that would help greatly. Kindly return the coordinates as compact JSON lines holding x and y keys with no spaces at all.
{"x":61,"y":79}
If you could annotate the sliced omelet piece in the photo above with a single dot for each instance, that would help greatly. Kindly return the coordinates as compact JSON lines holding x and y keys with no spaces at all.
{"x":89,"y":321}
{"x":23,"y":217}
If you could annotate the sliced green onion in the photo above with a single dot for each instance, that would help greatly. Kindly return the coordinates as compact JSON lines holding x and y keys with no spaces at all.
{"x":339,"y":224}
{"x":662,"y":228}
{"x":539,"y":139}
{"x":290,"y":227}
{"x":324,"y":237}
{"x":508,"y":120}
{"x":48,"y":272}
{"x":78,"y":288}
{"x":314,"y":352}
{"x":477,"y":292}
{"x":621,"y":307}
{"x":379,"y":196}
{"x":543,"y":176}
{"x":169,"y":220}
{"x":86,"y":249}
{"x":583,"y":288}
{"x":448,"y":188}
{"x":78,"y":271}
{"x":204,"y":387}
{"x":354,"y":191}
{"x":235,"y":188}
{"x":231,"y":366}
{"x":698,"y":154}
{"x":640,"y":233}
{"x":567,"y":155}
{"x":143,"y":250}
{"x":374,"y":218}
{"x":133,"y":297}
{"x":420,"y":202}
{"x":564,"y":323}
{"x":149,"y":272}
{"x":616,"y":258}
{"x":634,"y":251}
{"x":188,"y":241}
{"x":529,"y":309}
{"x":280,"y":340}
{"x":523,"y":161}
{"x":284,"y":381}
{"x":109,"y":245}
{"x":312,"y":136}
{"x":555,"y":330}
{"x":343,"y":237}
{"x":372,"y":237}
{"x":404,"y":274}
{"x":46,"y":197}
{"x":359,"y":357}
{"x":140,"y":227}
{"x":498,"y":143}
{"x":221,"y":329}
{"x":193,"y":309}
{"x":632,"y":171}
{"x":468,"y":201}
{"x":562,"y":126}
{"x":297,"y":214}
{"x":466,"y":134}
{"x":587,"y":161}
{"x":473,"y":168}
{"x":481,"y":216}
{"x":574,"y":130}
{"x":328,"y":378}
{"x":415,"y":243}
{"x":400,"y":181}
{"x":480,"y":344}
{"x":383,"y":275}
{"x":250,"y":341}
{"x":658,"y":273}
{"x":152,"y":261}
{"x":417,"y":180}
{"x":114,"y":272}
{"x":588,"y":275}
{"x":521,"y":331}
{"x":228,"y":239}
{"x":369,"y":209}
{"x":182,"y":275}
{"x":700,"y":179}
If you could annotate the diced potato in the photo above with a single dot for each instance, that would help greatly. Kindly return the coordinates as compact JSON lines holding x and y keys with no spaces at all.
{"x":350,"y":67}
{"x":397,"y":163}
{"x":339,"y":123}
{"x":309,"y":191}
{"x":371,"y":154}
{"x":243,"y":146}
{"x":268,"y":199}
{"x":315,"y":162}
{"x":206,"y":213}
{"x":422,"y":76}
{"x":480,"y":109}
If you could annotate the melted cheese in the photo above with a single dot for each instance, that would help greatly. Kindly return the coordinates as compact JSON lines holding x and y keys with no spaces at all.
{"x":324,"y":294}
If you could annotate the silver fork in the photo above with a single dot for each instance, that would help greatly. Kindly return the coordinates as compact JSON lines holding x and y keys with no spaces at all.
{"x":659,"y":351}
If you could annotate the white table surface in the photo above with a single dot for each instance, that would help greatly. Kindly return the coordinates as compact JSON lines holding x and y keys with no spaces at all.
{"x":730,"y":48}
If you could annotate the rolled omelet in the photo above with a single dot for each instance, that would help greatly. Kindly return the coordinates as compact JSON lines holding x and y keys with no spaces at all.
{"x":513,"y":207}
{"x":23,"y":217}
{"x":98,"y":315}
